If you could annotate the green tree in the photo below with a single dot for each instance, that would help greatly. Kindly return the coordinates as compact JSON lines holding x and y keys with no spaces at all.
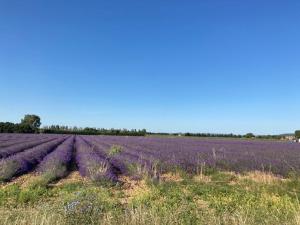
{"x":249,"y":135}
{"x":33,"y":121}
{"x":297,"y":133}
{"x":7,"y":127}
{"x":24,"y":128}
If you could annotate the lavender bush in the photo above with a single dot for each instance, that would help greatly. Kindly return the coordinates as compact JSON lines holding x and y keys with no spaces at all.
{"x":91,"y":164}
{"x":55,"y":164}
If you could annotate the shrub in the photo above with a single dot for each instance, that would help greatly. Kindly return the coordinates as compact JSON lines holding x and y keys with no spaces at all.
{"x":114,"y":150}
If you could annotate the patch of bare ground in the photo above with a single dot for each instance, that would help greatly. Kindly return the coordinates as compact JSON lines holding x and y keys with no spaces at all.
{"x":171,"y":177}
{"x":22,"y":181}
{"x":73,"y":177}
{"x":202,"y":178}
{"x":261,"y":177}
{"x":132,"y":188}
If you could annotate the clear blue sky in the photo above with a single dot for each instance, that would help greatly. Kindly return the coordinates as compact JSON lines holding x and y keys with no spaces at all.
{"x":172,"y":65}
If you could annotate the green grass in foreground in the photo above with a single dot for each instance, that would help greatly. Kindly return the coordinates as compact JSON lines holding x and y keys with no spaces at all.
{"x":216,"y":198}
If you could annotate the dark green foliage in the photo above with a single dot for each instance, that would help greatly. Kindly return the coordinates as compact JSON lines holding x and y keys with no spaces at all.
{"x":7,"y":127}
{"x":249,"y":135}
{"x":297,"y":133}
{"x":217,"y":135}
{"x":57,"y":129}
{"x":33,"y":121}
{"x":278,"y":137}
{"x":29,"y":124}
{"x":212,"y":135}
{"x":24,"y":128}
{"x":15,"y":128}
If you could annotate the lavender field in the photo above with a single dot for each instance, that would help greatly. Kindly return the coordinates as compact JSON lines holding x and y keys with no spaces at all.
{"x":108,"y":157}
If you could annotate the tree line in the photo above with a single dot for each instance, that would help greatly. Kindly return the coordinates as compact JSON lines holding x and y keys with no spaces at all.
{"x":56,"y":129}
{"x":218,"y":135}
{"x":32,"y":123}
{"x":248,"y":135}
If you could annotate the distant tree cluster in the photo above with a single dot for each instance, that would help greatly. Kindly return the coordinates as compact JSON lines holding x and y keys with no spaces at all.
{"x":29,"y":124}
{"x":249,"y":135}
{"x":92,"y":131}
{"x":218,"y":135}
{"x":212,"y":135}
{"x":278,"y":137}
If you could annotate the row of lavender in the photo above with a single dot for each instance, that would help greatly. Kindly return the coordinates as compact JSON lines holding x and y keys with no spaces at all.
{"x":99,"y":157}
